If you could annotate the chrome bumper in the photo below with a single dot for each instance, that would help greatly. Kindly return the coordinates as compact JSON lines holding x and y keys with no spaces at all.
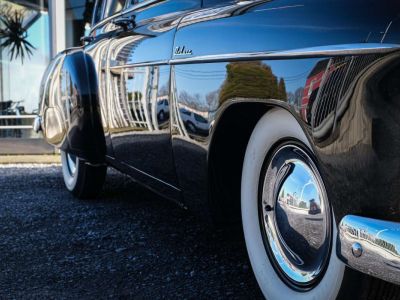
{"x":370,"y":246}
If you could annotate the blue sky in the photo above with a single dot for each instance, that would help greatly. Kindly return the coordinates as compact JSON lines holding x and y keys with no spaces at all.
{"x":299,"y":182}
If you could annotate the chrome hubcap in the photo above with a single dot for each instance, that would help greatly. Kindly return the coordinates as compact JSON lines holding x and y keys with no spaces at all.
{"x":295,"y":217}
{"x":71,"y":161}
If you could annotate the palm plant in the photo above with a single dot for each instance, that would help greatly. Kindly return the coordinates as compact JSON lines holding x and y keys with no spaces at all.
{"x":14,"y":34}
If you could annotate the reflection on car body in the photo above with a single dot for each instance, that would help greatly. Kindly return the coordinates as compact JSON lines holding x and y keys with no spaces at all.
{"x":283,"y":115}
{"x":194,"y":122}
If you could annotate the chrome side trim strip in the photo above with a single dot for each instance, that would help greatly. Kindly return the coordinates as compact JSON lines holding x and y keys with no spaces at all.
{"x":142,"y":64}
{"x":220,"y":57}
{"x":344,"y":49}
{"x":370,"y":246}
{"x":323,"y":51}
{"x":140,"y":5}
{"x":110,"y":158}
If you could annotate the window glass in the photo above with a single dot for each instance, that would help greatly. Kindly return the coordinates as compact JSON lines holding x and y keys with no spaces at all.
{"x":185,"y":111}
{"x":98,"y":11}
{"x":116,"y":6}
{"x":199,"y":118}
{"x":23,"y":60}
{"x":78,"y":15}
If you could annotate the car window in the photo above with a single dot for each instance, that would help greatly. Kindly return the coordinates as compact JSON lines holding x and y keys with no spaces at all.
{"x":115,"y":6}
{"x":98,"y":11}
{"x":199,"y":118}
{"x":184,"y":111}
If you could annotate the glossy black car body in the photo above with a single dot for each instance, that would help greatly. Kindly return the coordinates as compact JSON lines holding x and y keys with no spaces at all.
{"x":170,"y":91}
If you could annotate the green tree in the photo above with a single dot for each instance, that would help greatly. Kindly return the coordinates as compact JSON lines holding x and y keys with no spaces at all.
{"x":282,"y":90}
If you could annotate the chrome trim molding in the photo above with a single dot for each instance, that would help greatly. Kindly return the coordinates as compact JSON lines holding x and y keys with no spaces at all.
{"x":221,"y":57}
{"x":295,"y":217}
{"x":151,"y":176}
{"x":343,"y":49}
{"x":329,"y":51}
{"x":323,"y":51}
{"x":103,"y":22}
{"x":370,"y":246}
{"x":140,"y":5}
{"x":141,"y":64}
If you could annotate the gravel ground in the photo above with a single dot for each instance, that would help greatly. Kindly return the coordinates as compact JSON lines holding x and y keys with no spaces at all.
{"x":129,"y":243}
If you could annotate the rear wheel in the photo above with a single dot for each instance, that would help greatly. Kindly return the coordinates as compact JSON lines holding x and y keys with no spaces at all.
{"x":82,"y":179}
{"x":287,"y":221}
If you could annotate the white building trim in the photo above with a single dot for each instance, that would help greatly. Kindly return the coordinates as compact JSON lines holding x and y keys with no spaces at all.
{"x":57,"y":26}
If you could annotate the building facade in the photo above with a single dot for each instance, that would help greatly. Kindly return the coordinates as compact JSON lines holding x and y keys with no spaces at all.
{"x":31,"y":33}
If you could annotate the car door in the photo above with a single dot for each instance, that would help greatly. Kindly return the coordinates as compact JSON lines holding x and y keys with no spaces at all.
{"x":139,"y":88}
{"x":226,"y":62}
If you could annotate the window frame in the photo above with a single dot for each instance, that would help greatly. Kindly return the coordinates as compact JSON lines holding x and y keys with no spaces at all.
{"x":127,"y":9}
{"x":108,"y":7}
{"x":94,"y":22}
{"x":130,"y":7}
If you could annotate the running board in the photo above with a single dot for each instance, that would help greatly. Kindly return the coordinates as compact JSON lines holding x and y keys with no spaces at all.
{"x":370,"y":246}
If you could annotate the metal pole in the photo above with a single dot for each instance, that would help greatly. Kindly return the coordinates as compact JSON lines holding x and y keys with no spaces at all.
{"x":57,"y":26}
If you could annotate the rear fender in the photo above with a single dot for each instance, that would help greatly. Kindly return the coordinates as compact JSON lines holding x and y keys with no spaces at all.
{"x":70,"y":110}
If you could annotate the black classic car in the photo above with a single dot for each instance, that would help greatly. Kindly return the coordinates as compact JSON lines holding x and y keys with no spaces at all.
{"x":279,"y":114}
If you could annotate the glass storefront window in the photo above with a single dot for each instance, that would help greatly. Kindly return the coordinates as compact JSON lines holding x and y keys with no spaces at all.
{"x":21,"y":68}
{"x":37,"y":25}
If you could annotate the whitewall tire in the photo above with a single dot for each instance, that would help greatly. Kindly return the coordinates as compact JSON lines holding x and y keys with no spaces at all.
{"x":274,"y":126}
{"x":82,"y":179}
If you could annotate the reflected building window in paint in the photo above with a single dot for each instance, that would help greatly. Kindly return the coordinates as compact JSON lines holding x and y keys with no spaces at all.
{"x":139,"y":102}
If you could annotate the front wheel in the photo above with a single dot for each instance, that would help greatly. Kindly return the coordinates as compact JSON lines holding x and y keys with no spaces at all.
{"x":82,"y":179}
{"x":287,"y":221}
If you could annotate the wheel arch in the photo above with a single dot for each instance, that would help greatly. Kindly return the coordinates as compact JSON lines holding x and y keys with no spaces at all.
{"x":232,"y":129}
{"x":77,"y":129}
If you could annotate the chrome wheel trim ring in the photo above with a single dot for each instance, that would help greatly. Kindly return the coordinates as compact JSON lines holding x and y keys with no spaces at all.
{"x":295,"y":217}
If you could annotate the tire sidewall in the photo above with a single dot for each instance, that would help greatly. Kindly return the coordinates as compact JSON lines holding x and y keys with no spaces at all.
{"x":69,"y":180}
{"x":275,"y":125}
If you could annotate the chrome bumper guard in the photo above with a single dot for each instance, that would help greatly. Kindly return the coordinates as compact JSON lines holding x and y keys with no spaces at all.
{"x":370,"y":246}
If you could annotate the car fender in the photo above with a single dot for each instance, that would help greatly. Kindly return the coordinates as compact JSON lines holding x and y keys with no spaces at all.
{"x":70,"y":109}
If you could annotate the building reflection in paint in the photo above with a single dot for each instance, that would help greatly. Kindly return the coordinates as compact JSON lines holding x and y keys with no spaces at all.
{"x":372,"y":238}
{"x":139,"y":104}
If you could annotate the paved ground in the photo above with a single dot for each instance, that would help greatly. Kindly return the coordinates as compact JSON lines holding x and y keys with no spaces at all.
{"x":128,"y":243}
